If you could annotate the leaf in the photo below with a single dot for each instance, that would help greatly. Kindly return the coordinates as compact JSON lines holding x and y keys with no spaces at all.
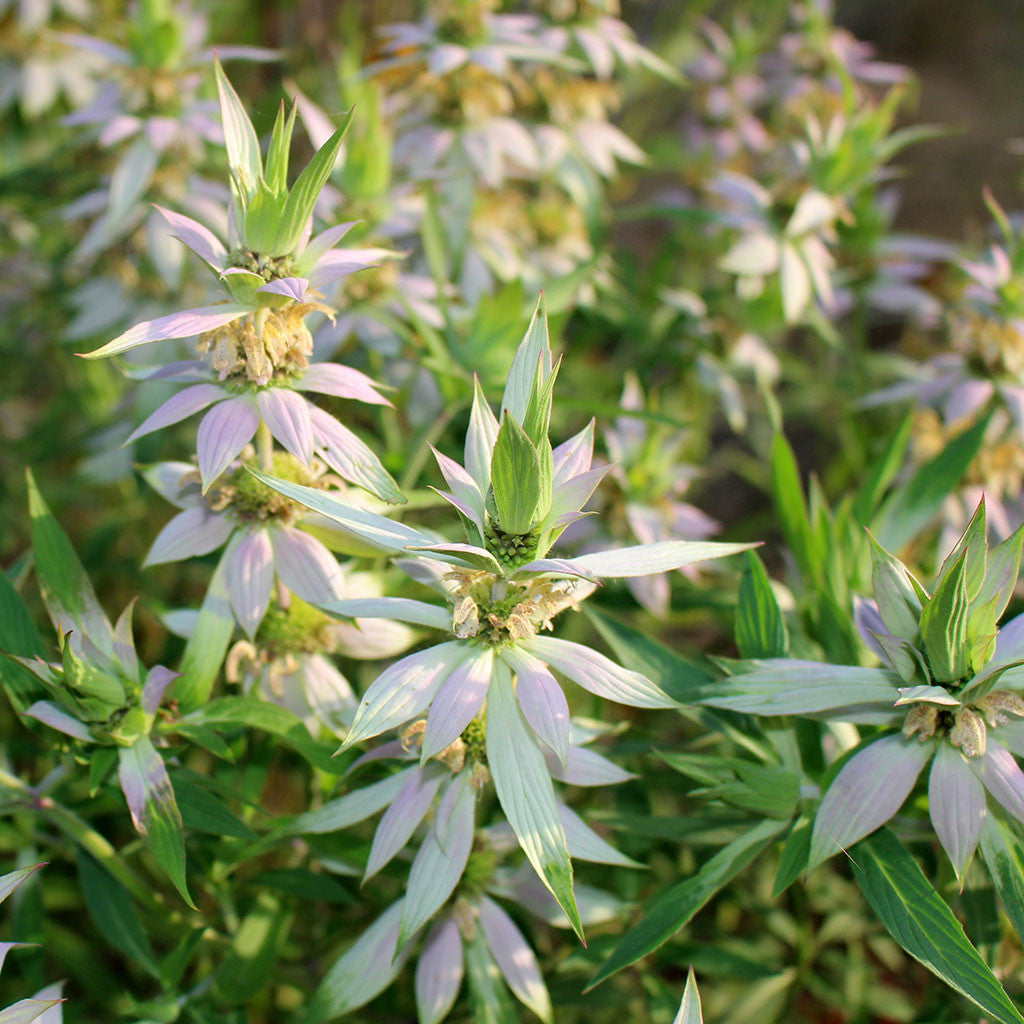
{"x":302,"y":197}
{"x":67,"y":591}
{"x":679,"y":677}
{"x":275,"y":170}
{"x":201,"y":811}
{"x":27,"y":1010}
{"x":1003,"y":851}
{"x":250,"y":712}
{"x":881,"y":472}
{"x":18,"y":635}
{"x":671,"y":909}
{"x":791,"y":508}
{"x":248,"y":964}
{"x":515,"y":478}
{"x":11,"y":881}
{"x":919,"y":920}
{"x":944,"y":625}
{"x":533,"y":357}
{"x":525,"y":792}
{"x":239,"y":135}
{"x":492,"y":1003}
{"x":760,"y":627}
{"x":689,"y":1008}
{"x":793,"y":860}
{"x":914,"y":504}
{"x":150,"y":796}
{"x":113,"y":913}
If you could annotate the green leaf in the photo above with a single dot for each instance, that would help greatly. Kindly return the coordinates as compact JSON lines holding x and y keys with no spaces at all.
{"x":791,"y":508}
{"x":689,"y":1008}
{"x":18,"y":635}
{"x":275,"y":170}
{"x":492,"y":1003}
{"x":248,"y":965}
{"x":795,"y":855}
{"x":973,"y":544}
{"x":680,"y":678}
{"x":1003,"y":851}
{"x":916,"y":502}
{"x":239,"y":135}
{"x":250,"y":712}
{"x":67,"y":591}
{"x":526,"y":794}
{"x":896,"y":592}
{"x":113,"y":913}
{"x":515,"y":478}
{"x":302,"y":197}
{"x":760,"y":627}
{"x":1001,"y":573}
{"x":208,"y":642}
{"x":944,"y":625}
{"x":532,"y":358}
{"x":671,"y":909}
{"x":920,"y":921}
{"x":150,"y":796}
{"x":11,"y":881}
{"x":881,"y":472}
{"x":303,"y":883}
{"x":202,"y":811}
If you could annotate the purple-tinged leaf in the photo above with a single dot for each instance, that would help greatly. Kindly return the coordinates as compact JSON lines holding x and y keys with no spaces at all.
{"x":575,"y":492}
{"x":203,"y":242}
{"x":184,"y":404}
{"x":290,"y":287}
{"x":587,"y":768}
{"x":147,"y":789}
{"x":480,"y":439}
{"x":176,"y":325}
{"x":525,"y":792}
{"x":306,"y":567}
{"x":403,"y":816}
{"x":157,"y":681}
{"x":573,"y":457}
{"x":350,"y":457}
{"x":399,"y":609}
{"x":224,"y":431}
{"x":690,"y":1009}
{"x":196,"y":531}
{"x":461,"y":554}
{"x":439,"y":865}
{"x":56,"y":717}
{"x":1001,"y":776}
{"x":404,"y":690}
{"x":250,"y":577}
{"x":324,"y":242}
{"x":565,"y":567}
{"x":457,"y":702}
{"x":11,"y":881}
{"x":342,"y":382}
{"x":541,"y":700}
{"x":514,"y":958}
{"x":956,"y":803}
{"x":869,"y":789}
{"x":6,"y":947}
{"x":598,"y":674}
{"x":353,"y":807}
{"x":586,"y":844}
{"x":644,"y":559}
{"x":339,"y":263}
{"x":124,"y":642}
{"x":171,"y":480}
{"x":25,"y":1011}
{"x":183,"y":371}
{"x":286,"y":413}
{"x":53,"y":994}
{"x":363,"y":971}
{"x":439,"y":972}
{"x":462,"y":485}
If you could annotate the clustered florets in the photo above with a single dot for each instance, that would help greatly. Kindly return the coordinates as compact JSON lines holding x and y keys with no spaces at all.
{"x":275,"y":348}
{"x":966,"y":727}
{"x":250,"y":501}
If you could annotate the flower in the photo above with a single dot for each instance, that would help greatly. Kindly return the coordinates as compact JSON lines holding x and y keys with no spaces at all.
{"x":263,"y":532}
{"x":515,"y":496}
{"x":949,"y":686}
{"x":239,"y":408}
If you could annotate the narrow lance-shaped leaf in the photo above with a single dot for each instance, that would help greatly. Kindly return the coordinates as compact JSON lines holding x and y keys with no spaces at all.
{"x":689,"y":1008}
{"x":973,"y":545}
{"x":533,"y":353}
{"x":944,"y":626}
{"x":150,"y":796}
{"x":921,"y":922}
{"x":898,"y":599}
{"x":515,"y":478}
{"x":239,"y":135}
{"x":525,"y":792}
{"x":760,"y":627}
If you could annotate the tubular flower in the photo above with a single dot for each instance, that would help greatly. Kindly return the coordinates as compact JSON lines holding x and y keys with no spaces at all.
{"x":951,"y":681}
{"x":515,"y":496}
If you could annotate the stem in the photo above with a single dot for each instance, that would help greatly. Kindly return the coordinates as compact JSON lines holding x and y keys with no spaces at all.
{"x":265,"y":447}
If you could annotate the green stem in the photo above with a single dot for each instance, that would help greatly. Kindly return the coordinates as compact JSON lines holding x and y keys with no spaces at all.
{"x":265,"y":447}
